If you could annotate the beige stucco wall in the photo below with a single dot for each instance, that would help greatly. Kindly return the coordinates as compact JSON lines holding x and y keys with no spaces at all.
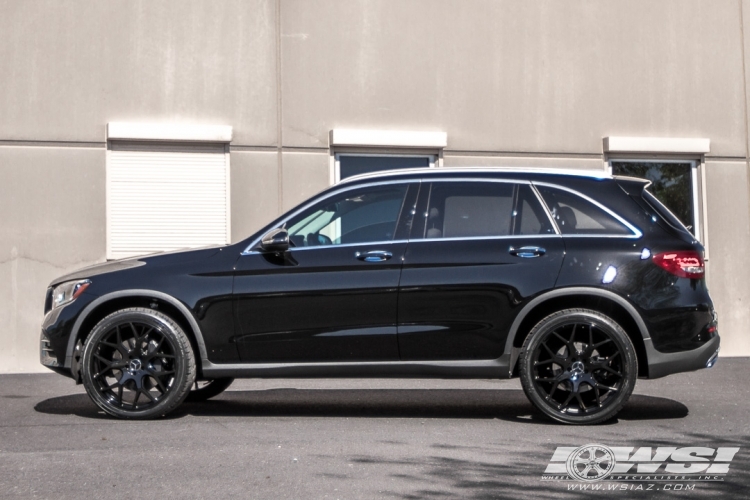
{"x":68,"y":68}
{"x":729,"y":237}
{"x":541,"y":76}
{"x":52,"y":208}
{"x":512,"y":83}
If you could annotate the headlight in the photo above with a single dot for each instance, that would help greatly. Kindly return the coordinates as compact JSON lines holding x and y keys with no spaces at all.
{"x":66,"y":293}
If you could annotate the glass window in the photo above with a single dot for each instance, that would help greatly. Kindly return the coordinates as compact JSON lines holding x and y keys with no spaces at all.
{"x":469,"y":209}
{"x":576,"y":215}
{"x":357,"y":216}
{"x":529,"y":215}
{"x":350,"y":165}
{"x":671,"y":184}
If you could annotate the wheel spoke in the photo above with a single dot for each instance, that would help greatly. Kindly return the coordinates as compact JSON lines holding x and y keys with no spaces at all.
{"x":607,"y":388}
{"x":596,"y":393}
{"x":148,"y":395}
{"x":610,"y":370}
{"x":559,"y":337}
{"x":120,"y":389}
{"x":119,"y":339}
{"x":606,"y":341}
{"x":580,"y":401}
{"x":157,"y":374}
{"x":552,"y":391}
{"x":103,"y":360}
{"x":568,"y":399}
{"x":160,"y":385}
{"x":147,"y":332}
{"x":137,"y":395}
{"x":553,"y":354}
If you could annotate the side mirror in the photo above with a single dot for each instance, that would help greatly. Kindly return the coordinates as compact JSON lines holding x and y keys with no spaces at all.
{"x":276,"y":240}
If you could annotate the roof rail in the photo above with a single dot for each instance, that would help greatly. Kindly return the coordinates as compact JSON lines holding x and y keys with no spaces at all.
{"x":593,"y":174}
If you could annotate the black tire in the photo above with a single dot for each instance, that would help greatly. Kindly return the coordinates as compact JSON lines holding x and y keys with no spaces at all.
{"x":578,"y":366}
{"x":137,"y":364}
{"x":207,"y":389}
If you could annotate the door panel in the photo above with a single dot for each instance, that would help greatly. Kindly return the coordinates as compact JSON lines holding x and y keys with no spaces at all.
{"x":459,"y":292}
{"x":333,"y":295}
{"x":321,"y":304}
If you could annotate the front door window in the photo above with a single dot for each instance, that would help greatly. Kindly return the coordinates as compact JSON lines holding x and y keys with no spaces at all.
{"x":358,"y":216}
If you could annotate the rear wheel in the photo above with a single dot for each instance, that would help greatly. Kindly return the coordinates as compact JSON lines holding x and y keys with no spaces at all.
{"x":206,"y":389}
{"x":137,"y":363}
{"x":578,"y":366}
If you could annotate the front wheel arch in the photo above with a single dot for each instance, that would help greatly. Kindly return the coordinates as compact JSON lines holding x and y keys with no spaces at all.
{"x":109,"y":303}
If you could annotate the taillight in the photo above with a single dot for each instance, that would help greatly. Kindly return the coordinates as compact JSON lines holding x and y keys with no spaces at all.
{"x":683,"y":263}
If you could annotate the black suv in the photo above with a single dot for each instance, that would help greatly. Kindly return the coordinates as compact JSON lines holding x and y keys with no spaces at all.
{"x":578,"y":283}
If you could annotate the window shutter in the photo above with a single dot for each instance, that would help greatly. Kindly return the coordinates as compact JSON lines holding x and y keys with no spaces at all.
{"x":166,"y":196}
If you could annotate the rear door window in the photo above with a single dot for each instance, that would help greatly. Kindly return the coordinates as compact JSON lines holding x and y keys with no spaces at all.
{"x":530,"y":217}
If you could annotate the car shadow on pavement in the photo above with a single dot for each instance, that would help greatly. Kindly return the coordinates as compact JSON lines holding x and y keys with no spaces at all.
{"x":510,"y":405}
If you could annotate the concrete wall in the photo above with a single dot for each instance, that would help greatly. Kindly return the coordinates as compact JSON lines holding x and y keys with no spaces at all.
{"x":512,"y":83}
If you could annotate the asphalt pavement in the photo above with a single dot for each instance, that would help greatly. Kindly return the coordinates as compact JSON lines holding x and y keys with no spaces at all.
{"x":353,"y":439}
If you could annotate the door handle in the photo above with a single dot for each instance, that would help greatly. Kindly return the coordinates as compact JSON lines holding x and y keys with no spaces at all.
{"x":373,"y":256}
{"x":527,"y":252}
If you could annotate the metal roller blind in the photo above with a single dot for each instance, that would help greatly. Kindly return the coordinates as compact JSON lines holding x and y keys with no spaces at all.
{"x":165,"y":197}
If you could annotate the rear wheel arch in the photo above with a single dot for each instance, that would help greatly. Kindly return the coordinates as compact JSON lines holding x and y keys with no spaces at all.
{"x":603,"y":301}
{"x":109,"y":303}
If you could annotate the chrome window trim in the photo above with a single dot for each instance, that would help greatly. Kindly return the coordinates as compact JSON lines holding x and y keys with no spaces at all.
{"x":506,"y":237}
{"x":474,"y":179}
{"x":636,"y":232}
{"x":321,"y":247}
{"x":248,"y":250}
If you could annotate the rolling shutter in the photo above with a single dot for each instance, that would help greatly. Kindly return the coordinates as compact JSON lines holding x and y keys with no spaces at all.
{"x":165,"y":197}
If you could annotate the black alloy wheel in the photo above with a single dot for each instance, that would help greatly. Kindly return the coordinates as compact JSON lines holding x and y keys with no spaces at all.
{"x":578,"y":366}
{"x":203,"y":390}
{"x":138,"y":363}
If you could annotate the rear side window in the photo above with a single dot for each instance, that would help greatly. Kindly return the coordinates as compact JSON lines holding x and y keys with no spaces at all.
{"x":576,"y":215}
{"x":664,"y":212}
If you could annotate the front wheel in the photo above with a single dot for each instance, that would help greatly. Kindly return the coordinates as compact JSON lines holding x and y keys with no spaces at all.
{"x":578,"y":366}
{"x":137,"y":364}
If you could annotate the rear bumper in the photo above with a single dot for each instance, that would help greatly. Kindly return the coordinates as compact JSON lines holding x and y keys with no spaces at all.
{"x":661,"y":364}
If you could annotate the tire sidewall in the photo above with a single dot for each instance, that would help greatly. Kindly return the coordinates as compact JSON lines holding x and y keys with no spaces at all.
{"x":184,"y":360}
{"x":612,"y":329}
